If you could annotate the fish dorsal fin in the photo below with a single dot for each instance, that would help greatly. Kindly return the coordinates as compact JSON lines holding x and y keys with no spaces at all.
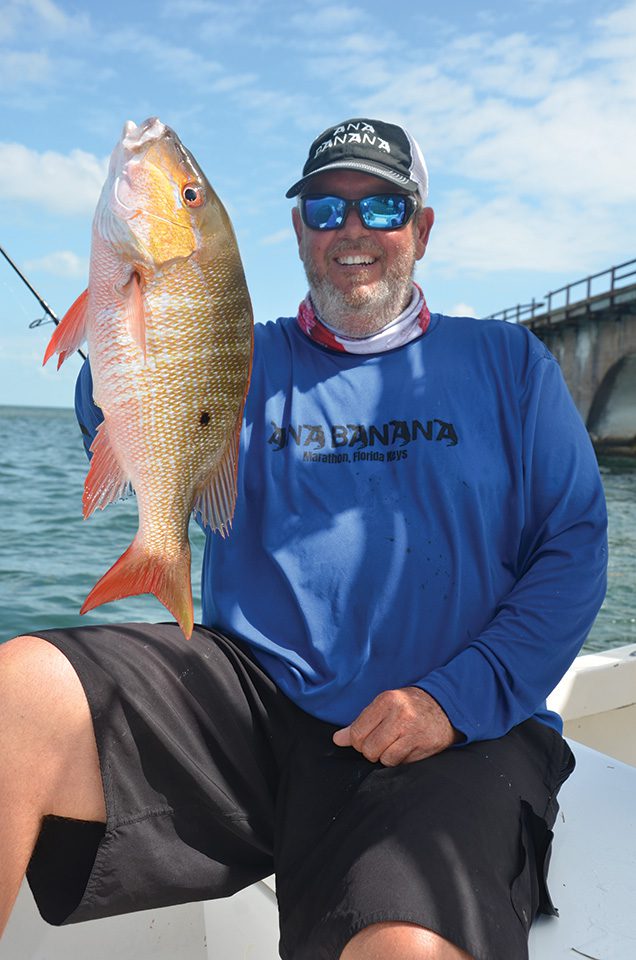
{"x":134,"y":311}
{"x":217,"y":499}
{"x":70,"y":331}
{"x":105,"y":481}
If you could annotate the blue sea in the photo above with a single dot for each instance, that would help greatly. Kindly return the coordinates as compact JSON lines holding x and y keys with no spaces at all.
{"x":50,"y":557}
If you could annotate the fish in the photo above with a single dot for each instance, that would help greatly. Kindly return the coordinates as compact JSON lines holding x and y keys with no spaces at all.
{"x":168,"y":321}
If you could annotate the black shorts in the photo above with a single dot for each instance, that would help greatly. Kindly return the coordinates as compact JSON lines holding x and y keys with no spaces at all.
{"x":213,"y":779}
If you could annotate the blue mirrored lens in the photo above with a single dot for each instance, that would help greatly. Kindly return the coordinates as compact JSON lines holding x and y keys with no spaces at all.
{"x":383,"y":212}
{"x":324,"y":213}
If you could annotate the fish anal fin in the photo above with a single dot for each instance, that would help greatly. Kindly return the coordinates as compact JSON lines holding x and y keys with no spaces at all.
{"x":134,"y":311}
{"x":105,"y":481}
{"x":217,"y":498}
{"x":137,"y":571}
{"x":70,"y":331}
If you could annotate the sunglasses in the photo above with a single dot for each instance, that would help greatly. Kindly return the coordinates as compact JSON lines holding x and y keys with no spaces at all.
{"x":382,"y":211}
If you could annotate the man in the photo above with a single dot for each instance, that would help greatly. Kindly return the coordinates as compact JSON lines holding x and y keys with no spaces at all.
{"x":417,"y":555}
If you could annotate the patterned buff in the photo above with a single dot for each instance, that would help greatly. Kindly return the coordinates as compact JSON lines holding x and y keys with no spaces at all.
{"x":411,"y":323}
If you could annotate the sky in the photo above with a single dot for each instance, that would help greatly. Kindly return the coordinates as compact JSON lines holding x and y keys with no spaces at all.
{"x":525,"y":112}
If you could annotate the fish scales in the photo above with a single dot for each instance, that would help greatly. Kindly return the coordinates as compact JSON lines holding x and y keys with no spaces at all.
{"x":169,"y":327}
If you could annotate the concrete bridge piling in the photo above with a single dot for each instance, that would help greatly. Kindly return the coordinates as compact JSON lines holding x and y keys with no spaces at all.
{"x":590,"y":327}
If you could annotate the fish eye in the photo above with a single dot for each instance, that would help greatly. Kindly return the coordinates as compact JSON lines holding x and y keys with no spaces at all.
{"x":193,"y":195}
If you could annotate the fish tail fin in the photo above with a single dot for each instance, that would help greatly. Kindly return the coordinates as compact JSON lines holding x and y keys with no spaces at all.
{"x":138,"y":571}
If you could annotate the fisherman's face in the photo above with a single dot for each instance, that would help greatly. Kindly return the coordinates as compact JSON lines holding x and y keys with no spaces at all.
{"x":357,"y":299}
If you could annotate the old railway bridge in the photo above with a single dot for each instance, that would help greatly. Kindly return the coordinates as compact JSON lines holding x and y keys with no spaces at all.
{"x":590,"y":327}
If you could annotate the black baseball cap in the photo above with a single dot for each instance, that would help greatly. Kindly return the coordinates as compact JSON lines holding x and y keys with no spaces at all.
{"x":370,"y":146}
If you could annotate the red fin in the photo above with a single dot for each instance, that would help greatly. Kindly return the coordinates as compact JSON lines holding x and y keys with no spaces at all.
{"x":70,"y":331}
{"x":138,"y":571}
{"x":105,"y":481}
{"x":134,"y":311}
{"x":217,"y":499}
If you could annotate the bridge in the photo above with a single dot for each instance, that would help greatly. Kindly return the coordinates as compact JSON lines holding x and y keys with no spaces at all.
{"x":590,"y":327}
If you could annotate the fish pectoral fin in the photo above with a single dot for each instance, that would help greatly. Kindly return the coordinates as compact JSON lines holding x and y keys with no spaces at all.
{"x":217,"y":499}
{"x":138,"y":571}
{"x":105,"y":481}
{"x":135,"y":312}
{"x":70,"y":331}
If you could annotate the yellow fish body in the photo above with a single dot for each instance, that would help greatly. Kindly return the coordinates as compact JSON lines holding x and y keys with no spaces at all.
{"x":168,"y":321}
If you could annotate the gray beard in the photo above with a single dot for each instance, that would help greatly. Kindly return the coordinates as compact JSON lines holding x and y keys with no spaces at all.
{"x":365,"y":310}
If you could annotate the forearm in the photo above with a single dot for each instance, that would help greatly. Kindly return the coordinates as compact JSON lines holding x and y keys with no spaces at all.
{"x":504,"y":676}
{"x":536,"y":631}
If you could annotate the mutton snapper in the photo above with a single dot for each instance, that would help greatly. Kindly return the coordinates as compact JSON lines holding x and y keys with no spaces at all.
{"x":168,"y":321}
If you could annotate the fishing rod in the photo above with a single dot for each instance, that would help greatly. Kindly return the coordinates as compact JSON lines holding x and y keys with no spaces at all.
{"x":41,"y":301}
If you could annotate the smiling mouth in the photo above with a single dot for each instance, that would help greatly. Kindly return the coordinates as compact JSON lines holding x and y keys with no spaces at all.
{"x":356,"y":261}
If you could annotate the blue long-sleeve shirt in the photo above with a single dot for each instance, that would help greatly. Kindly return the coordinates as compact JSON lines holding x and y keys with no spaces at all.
{"x":428,"y":516}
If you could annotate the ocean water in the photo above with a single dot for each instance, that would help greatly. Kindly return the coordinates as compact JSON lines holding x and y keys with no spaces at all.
{"x":50,"y":557}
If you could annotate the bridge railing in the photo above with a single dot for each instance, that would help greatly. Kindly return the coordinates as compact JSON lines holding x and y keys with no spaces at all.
{"x":557,"y":301}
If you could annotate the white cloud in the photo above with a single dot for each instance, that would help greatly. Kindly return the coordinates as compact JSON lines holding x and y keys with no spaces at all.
{"x":61,"y":263}
{"x":8,"y":22}
{"x":575,"y":142}
{"x":280,"y":236}
{"x":184,"y":62}
{"x":499,"y":97}
{"x":62,"y":183}
{"x":216,"y":21}
{"x":32,"y":15}
{"x":232,"y":82}
{"x":540,"y":132}
{"x":462,"y":310}
{"x":176,"y":9}
{"x":266,"y":108}
{"x":614,"y":32}
{"x":577,"y":139}
{"x":325,"y":18}
{"x":18,"y":69}
{"x":53,"y":16}
{"x":513,"y":66}
{"x":510,"y":233}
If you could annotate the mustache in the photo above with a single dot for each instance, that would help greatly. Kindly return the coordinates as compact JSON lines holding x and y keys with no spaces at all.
{"x":362,"y":245}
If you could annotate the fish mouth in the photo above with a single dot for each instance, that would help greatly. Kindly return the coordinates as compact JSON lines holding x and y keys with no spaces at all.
{"x":124,"y":197}
{"x":134,"y":138}
{"x":135,"y":141}
{"x":133,"y":145}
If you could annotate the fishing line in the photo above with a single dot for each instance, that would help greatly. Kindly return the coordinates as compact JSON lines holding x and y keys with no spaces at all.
{"x":41,"y":301}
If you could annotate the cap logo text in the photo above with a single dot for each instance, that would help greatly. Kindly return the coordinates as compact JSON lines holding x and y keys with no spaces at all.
{"x":346,"y":128}
{"x":342,"y":136}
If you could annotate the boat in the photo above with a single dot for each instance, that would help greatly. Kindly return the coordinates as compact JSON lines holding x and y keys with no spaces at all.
{"x":592,"y":874}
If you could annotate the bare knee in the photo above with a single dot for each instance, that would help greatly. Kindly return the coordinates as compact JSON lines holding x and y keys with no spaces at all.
{"x":400,"y":941}
{"x":47,"y":742}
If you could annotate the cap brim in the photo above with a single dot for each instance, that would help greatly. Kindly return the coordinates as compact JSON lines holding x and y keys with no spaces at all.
{"x":362,"y":166}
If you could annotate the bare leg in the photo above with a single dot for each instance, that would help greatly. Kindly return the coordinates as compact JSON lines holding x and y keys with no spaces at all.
{"x":400,"y":941}
{"x":48,"y":756}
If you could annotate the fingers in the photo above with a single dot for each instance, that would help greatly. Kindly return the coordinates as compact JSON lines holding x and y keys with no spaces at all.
{"x":399,"y":752}
{"x":399,"y":726}
{"x":342,"y":738}
{"x":383,"y":744}
{"x":374,"y":745}
{"x":373,"y":732}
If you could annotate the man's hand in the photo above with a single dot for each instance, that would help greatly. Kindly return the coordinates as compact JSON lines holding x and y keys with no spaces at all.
{"x":399,"y":726}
